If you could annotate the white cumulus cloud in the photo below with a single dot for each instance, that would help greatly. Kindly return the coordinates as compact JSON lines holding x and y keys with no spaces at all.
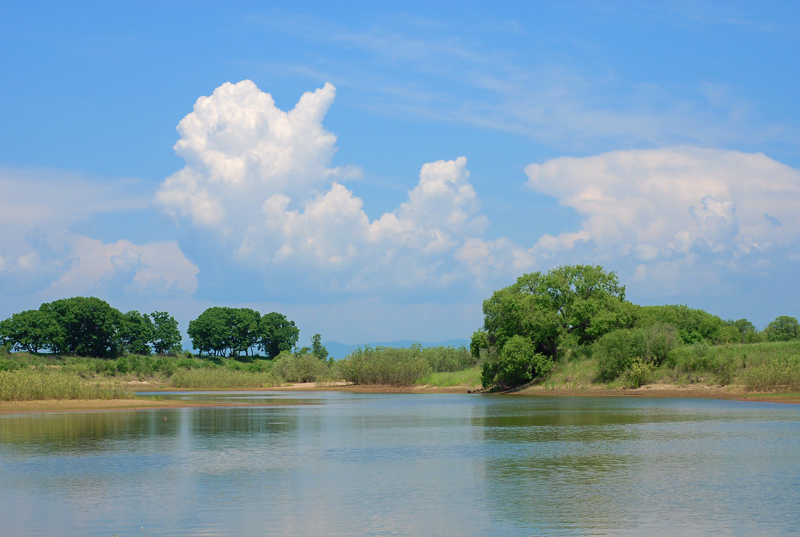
{"x":261,"y":178}
{"x":679,"y":213}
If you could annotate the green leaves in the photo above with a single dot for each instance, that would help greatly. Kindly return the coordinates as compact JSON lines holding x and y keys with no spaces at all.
{"x":231,"y":331}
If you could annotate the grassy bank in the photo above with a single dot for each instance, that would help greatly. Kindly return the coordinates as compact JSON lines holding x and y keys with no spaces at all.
{"x":32,"y":384}
{"x":743,"y":368}
{"x":750,"y":367}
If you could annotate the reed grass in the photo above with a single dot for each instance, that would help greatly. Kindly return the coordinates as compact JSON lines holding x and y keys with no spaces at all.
{"x":221,"y":378}
{"x":470,"y":378}
{"x":30,"y":384}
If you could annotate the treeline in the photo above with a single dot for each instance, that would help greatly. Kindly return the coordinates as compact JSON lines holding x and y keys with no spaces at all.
{"x":90,"y":327}
{"x":82,"y":326}
{"x":582,"y":310}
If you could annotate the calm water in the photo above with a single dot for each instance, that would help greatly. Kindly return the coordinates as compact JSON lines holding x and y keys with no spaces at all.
{"x":417,"y":465}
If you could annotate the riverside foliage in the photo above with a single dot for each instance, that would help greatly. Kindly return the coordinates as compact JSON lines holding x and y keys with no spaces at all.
{"x":89,"y":327}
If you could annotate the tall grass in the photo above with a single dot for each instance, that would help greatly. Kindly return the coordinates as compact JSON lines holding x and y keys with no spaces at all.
{"x":221,"y":378}
{"x":32,"y":384}
{"x":384,"y":365}
{"x":470,"y":378}
{"x":304,"y":367}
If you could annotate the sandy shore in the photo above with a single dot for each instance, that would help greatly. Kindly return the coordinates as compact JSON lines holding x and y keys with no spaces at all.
{"x":653,"y":390}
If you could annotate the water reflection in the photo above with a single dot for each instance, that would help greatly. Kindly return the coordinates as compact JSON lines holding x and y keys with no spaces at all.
{"x":363,"y":464}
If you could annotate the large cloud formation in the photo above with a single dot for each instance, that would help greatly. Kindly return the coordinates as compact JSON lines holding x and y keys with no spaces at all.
{"x":679,"y":214}
{"x":259,"y":178}
{"x":681,"y":219}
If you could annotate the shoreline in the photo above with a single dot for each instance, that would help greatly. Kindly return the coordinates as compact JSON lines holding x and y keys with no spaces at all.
{"x":648,"y":391}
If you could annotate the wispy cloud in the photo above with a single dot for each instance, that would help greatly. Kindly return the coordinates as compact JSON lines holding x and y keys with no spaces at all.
{"x":568,"y":101}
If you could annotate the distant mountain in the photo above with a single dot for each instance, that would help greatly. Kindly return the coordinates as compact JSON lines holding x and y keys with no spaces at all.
{"x":341,"y":350}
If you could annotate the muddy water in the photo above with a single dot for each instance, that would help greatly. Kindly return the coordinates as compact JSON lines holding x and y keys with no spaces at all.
{"x":399,"y":464}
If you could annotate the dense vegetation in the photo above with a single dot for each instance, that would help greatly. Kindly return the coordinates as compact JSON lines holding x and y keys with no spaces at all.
{"x":225,"y":331}
{"x":89,"y":327}
{"x":570,"y":327}
{"x":580,"y":313}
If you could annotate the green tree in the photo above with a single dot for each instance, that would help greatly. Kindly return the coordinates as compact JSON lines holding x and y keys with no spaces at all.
{"x":30,"y":330}
{"x":209,"y":332}
{"x":783,"y":328}
{"x":88,"y":326}
{"x":166,"y":337}
{"x":317,"y":348}
{"x":277,"y":333}
{"x":576,"y":304}
{"x":243,"y":324}
{"x":693,"y":325}
{"x":136,"y":332}
{"x":746,"y":330}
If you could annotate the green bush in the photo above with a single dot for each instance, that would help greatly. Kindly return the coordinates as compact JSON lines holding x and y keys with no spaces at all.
{"x":383,"y":365}
{"x":517,"y":364}
{"x":304,"y":367}
{"x":615,"y":353}
{"x":638,"y":373}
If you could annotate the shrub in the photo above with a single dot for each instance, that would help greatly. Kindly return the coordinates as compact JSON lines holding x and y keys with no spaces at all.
{"x":383,"y":365}
{"x":638,"y":373}
{"x":615,"y":353}
{"x":517,"y":364}
{"x":305,"y":367}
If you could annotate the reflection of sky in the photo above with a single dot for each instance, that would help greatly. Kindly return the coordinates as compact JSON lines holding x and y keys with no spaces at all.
{"x":359,"y":464}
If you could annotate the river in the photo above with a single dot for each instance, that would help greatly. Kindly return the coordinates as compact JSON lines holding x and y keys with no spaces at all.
{"x":347,"y":464}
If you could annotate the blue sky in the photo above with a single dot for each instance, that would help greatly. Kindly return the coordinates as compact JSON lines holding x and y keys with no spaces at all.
{"x":376,"y":170}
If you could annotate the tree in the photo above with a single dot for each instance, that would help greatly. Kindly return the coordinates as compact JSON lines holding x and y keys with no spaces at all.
{"x":30,"y":330}
{"x":88,"y":326}
{"x":136,"y":332}
{"x":277,"y":333}
{"x":209,"y":332}
{"x":746,"y":330}
{"x":317,"y":349}
{"x":243,"y":324}
{"x":575,"y":304}
{"x":783,"y":328}
{"x":166,"y":337}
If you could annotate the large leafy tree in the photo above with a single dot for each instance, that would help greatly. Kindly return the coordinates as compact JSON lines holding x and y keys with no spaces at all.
{"x":88,"y":326}
{"x":277,"y":333}
{"x":576,"y":304}
{"x":243,"y":326}
{"x":136,"y":332}
{"x":209,"y":332}
{"x":166,"y":337}
{"x":30,"y":330}
{"x":228,"y":331}
{"x":783,"y":328}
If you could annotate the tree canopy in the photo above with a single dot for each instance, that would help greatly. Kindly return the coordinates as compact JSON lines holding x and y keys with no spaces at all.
{"x":579,"y":302}
{"x":89,"y":326}
{"x":225,"y":331}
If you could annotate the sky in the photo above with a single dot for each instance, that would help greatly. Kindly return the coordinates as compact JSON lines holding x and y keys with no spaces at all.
{"x":375,"y":170}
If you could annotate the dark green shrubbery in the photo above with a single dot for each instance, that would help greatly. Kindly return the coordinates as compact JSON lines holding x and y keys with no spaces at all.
{"x":517,"y":363}
{"x":617,"y":351}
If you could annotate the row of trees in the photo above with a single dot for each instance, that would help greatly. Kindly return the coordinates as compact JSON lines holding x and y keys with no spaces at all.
{"x":90,"y":327}
{"x":223,"y":331}
{"x":525,"y":324}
